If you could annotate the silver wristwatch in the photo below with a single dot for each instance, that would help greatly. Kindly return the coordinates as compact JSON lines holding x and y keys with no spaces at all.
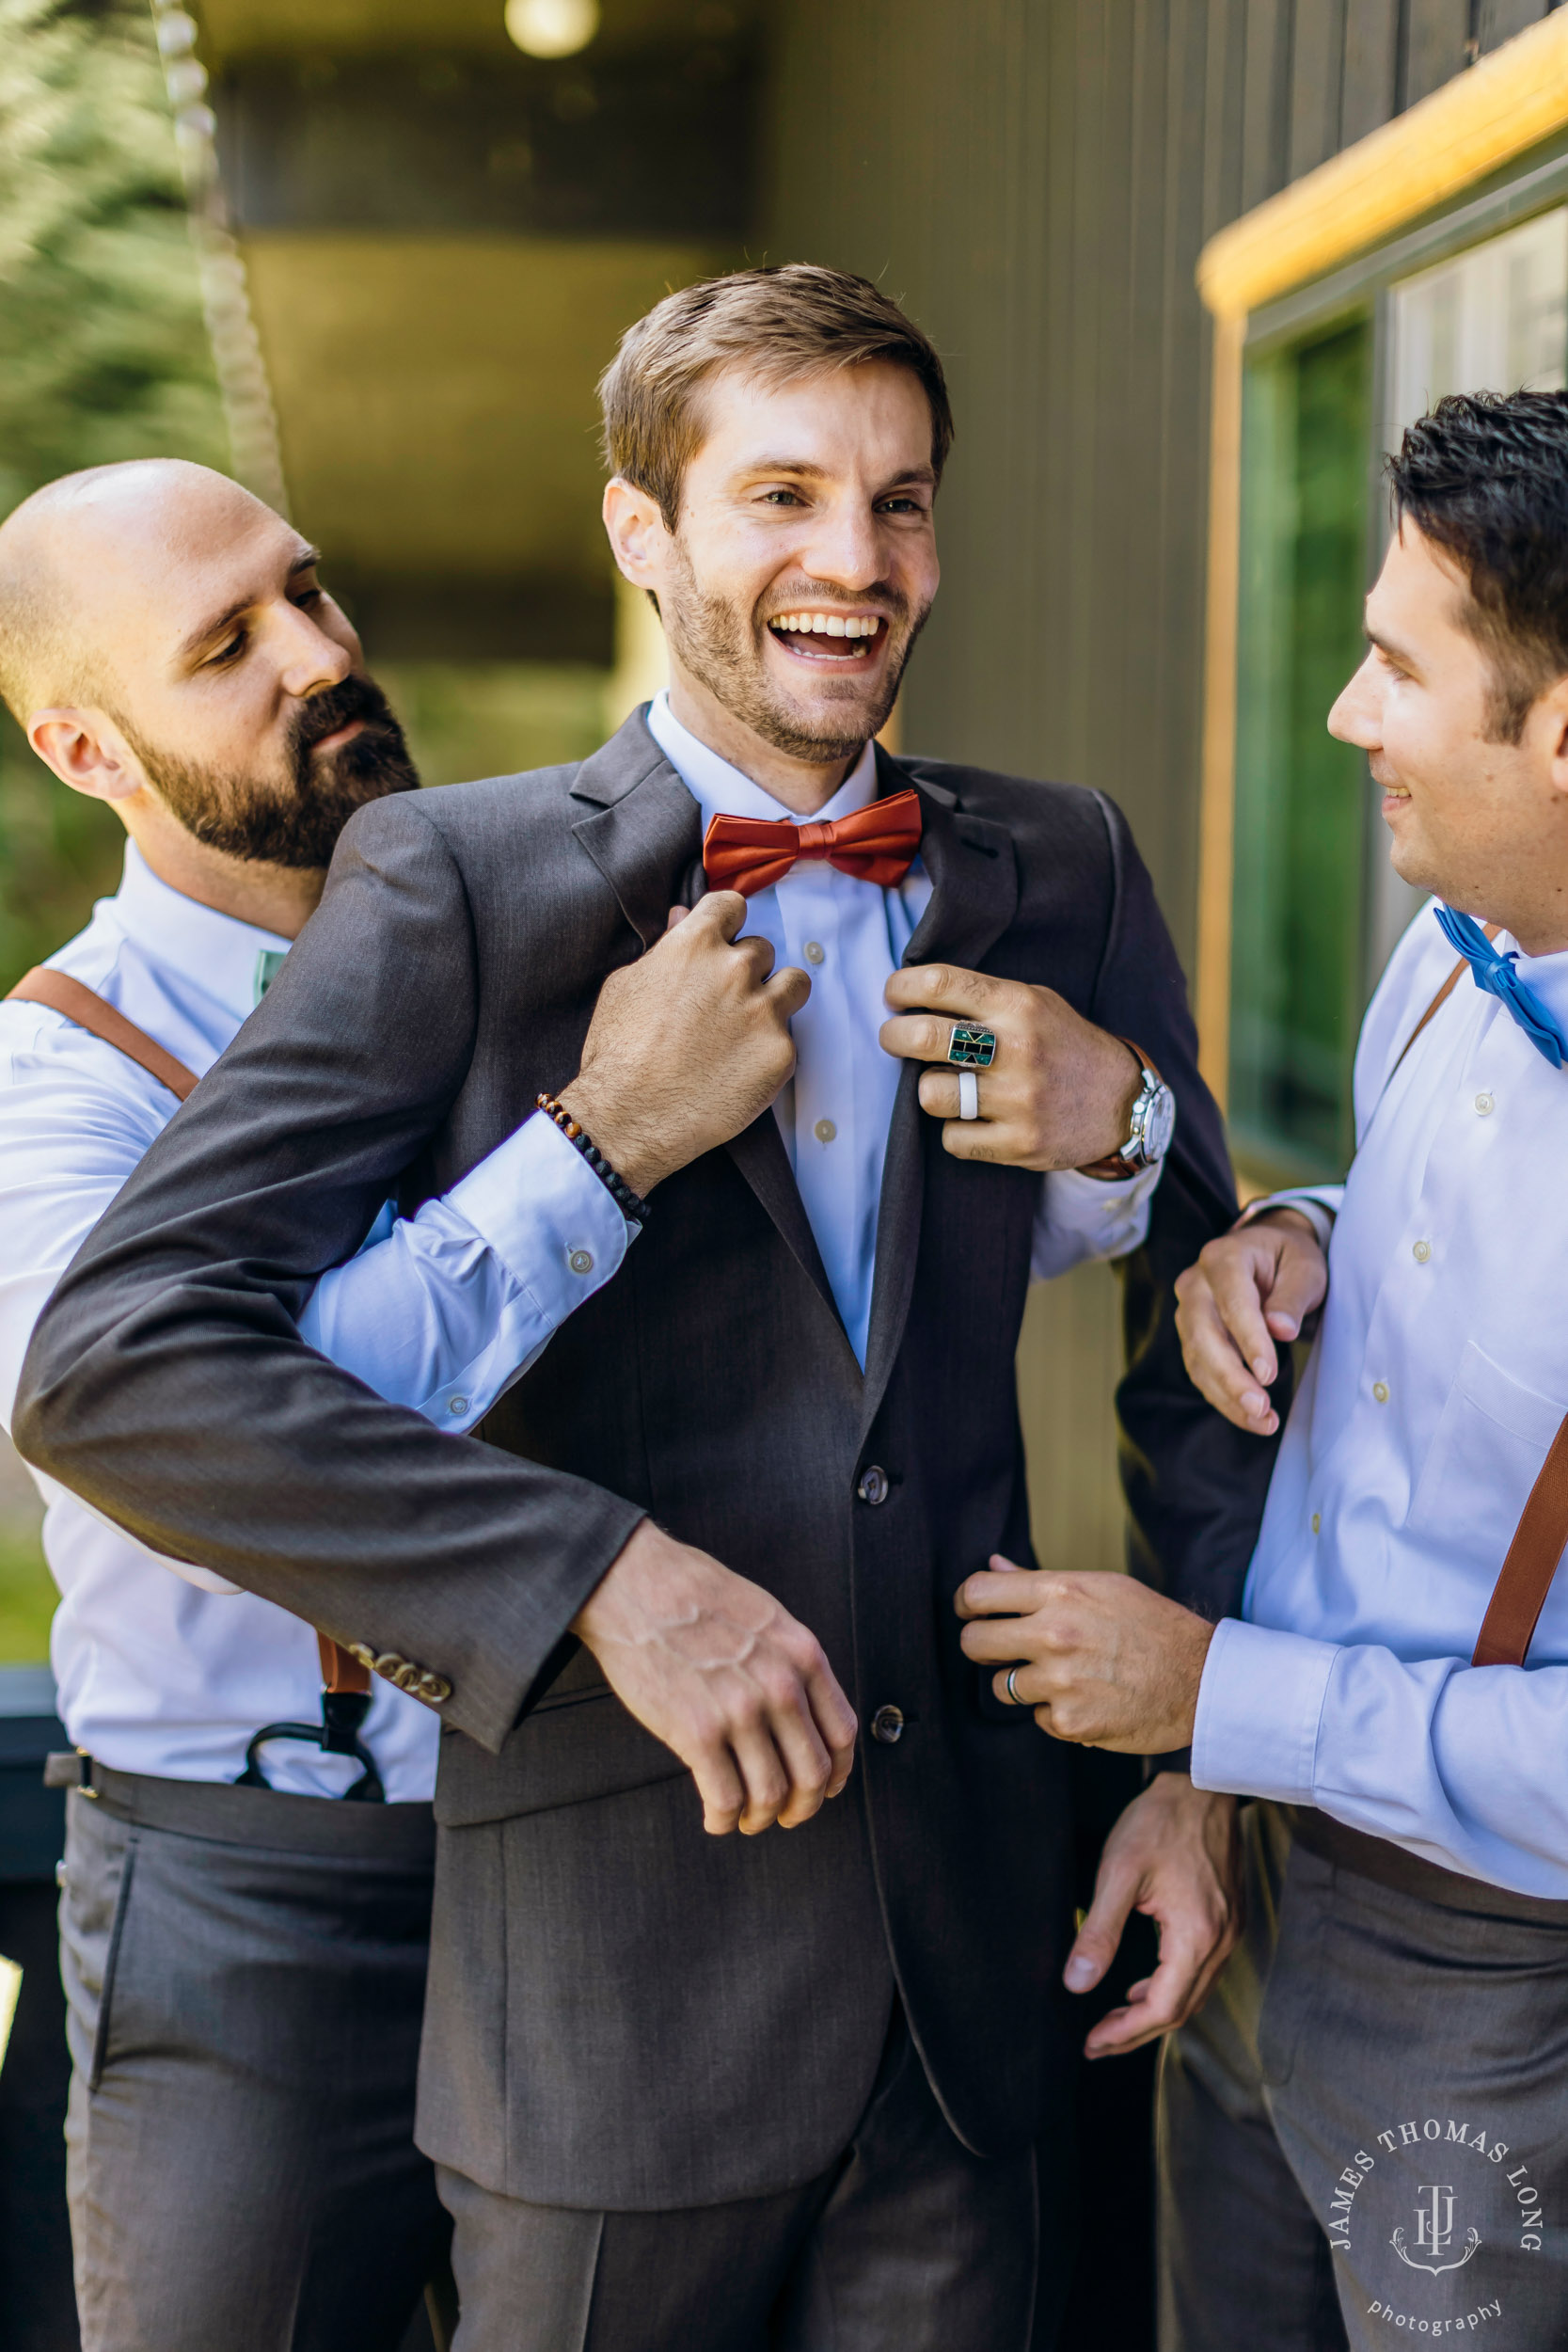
{"x":1153,"y":1124}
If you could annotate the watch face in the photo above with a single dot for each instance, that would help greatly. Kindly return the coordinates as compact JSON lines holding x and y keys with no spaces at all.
{"x":1159,"y":1123}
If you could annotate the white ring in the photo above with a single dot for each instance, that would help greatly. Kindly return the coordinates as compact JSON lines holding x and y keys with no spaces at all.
{"x":968,"y":1094}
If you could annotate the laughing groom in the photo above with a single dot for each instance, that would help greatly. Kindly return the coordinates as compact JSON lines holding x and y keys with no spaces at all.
{"x":690,"y":2091}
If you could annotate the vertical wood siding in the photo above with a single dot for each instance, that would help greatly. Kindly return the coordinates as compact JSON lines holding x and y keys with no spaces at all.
{"x":1034,"y":180}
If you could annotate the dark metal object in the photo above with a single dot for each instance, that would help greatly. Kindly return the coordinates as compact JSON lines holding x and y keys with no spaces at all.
{"x":336,"y":1734}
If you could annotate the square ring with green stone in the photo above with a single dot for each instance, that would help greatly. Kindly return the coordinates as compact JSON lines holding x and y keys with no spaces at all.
{"x":971,"y":1048}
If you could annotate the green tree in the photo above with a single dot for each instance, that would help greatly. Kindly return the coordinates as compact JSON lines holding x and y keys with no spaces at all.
{"x":103,"y":354}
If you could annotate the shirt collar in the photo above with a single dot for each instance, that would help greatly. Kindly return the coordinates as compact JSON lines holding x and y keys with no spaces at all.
{"x":1545,"y":976}
{"x":721,"y":790}
{"x":214,"y":952}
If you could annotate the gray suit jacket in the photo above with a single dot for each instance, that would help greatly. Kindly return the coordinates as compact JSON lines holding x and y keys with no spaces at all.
{"x":624,"y":2012}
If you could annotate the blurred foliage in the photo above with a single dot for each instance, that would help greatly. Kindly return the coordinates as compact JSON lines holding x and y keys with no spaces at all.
{"x":103,"y":350}
{"x":27,"y":1599}
{"x":103,"y":356}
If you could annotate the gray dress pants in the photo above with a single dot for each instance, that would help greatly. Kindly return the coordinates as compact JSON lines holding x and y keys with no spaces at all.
{"x":910,"y":2244}
{"x":245,"y":1979}
{"x":1363,"y":2135}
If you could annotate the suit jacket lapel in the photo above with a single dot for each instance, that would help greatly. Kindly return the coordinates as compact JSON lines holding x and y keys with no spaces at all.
{"x":974,"y":872}
{"x":644,"y":835}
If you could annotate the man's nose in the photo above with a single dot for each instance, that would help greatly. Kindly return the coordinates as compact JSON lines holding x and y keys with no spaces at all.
{"x":845,"y":547}
{"x":1357,"y":715}
{"x":310,"y":659}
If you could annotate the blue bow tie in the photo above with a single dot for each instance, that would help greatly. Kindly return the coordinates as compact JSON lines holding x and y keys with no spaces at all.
{"x":1495,"y":973}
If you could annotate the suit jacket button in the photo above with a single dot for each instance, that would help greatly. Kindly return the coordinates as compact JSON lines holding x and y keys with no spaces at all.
{"x":887,"y":1726}
{"x":873,"y":1484}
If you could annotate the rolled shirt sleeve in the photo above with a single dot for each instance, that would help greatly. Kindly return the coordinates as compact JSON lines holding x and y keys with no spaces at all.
{"x":454,"y":1304}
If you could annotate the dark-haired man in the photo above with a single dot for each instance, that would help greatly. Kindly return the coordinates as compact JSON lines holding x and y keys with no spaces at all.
{"x":688,"y":2092}
{"x":1363,"y":2130}
{"x":244,"y":1965}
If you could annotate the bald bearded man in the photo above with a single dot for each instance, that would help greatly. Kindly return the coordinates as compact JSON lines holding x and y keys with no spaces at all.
{"x":244,"y":1963}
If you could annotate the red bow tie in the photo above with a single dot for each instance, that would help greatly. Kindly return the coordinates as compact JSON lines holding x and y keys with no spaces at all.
{"x":875,"y":843}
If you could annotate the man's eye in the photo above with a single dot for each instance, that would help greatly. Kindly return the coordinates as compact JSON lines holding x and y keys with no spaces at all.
{"x":232,"y":648}
{"x":780,"y":498}
{"x":308,"y":596}
{"x":901,"y":506}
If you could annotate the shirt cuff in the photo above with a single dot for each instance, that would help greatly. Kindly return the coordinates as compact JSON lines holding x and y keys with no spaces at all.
{"x":1319,"y":1209}
{"x":1090,"y":1217}
{"x":537,"y":1203}
{"x":1258,"y":1708}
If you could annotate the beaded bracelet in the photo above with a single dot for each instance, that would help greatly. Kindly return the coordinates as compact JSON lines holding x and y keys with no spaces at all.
{"x":629,"y":1204}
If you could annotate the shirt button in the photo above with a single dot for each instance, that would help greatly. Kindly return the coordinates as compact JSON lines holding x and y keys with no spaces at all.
{"x":1485,"y":1104}
{"x":581,"y":1261}
{"x":873,"y":1487}
{"x":824,"y":1131}
{"x":1421,"y":1252}
{"x":814,"y":951}
{"x":1380,"y":1390}
{"x":1317,"y":1523}
{"x":457,"y":1403}
{"x":887,"y":1726}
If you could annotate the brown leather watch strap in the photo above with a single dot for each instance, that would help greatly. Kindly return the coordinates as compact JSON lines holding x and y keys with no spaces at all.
{"x":1113,"y":1165}
{"x":42,"y":986}
{"x":78,"y":1003}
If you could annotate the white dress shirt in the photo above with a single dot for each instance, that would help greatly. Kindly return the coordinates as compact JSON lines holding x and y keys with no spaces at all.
{"x":1436,"y":1383}
{"x":166,"y":1669}
{"x":849,"y":937}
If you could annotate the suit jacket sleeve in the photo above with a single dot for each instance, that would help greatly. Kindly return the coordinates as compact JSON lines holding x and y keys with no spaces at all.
{"x":1195,"y":1485}
{"x":166,"y":1382}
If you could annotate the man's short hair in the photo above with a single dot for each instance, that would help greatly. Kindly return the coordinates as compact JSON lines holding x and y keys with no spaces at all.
{"x":1484,"y":477}
{"x":776,"y":326}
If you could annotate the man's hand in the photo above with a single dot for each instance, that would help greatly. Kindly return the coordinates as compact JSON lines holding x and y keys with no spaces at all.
{"x":687,"y":1045}
{"x":1175,"y":1856}
{"x":1059,"y":1093}
{"x":1105,"y":1661}
{"x":1248,"y":1289}
{"x":714,"y":1667}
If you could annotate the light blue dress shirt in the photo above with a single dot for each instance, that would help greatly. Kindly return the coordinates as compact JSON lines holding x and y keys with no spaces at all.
{"x":1436,"y":1383}
{"x":160,"y":1667}
{"x":849,"y":938}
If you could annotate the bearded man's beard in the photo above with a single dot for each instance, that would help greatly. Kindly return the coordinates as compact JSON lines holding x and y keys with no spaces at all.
{"x":294,"y":820}
{"x":722,"y":646}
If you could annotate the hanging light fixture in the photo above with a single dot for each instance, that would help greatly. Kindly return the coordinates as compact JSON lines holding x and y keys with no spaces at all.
{"x":552,"y":28}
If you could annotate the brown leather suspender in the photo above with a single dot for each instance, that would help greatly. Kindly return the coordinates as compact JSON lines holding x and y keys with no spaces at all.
{"x":41,"y":986}
{"x":62,"y":995}
{"x":1541,"y":1537}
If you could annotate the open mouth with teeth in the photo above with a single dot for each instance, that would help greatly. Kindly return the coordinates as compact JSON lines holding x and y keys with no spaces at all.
{"x":845,"y":640}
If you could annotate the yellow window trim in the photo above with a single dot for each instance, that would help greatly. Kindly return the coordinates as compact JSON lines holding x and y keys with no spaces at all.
{"x":1495,"y":111}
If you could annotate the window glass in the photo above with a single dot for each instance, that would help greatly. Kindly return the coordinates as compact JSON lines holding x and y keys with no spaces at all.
{"x":1495,"y":319}
{"x":1297,"y":955}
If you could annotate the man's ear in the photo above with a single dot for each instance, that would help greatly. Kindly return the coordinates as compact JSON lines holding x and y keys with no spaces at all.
{"x":1551,"y":715}
{"x":637,"y":538}
{"x":87,"y":751}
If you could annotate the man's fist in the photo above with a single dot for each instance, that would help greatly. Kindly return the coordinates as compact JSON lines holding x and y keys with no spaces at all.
{"x":1249,"y":1288}
{"x":1099,"y":1658}
{"x":1060,"y":1093}
{"x":715,"y":1667}
{"x":687,"y":1045}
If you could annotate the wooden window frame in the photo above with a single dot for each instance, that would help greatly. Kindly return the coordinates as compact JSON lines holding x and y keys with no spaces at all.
{"x":1405,"y":195}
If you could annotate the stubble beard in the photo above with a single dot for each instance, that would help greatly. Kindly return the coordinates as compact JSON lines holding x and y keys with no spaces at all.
{"x":722,"y":647}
